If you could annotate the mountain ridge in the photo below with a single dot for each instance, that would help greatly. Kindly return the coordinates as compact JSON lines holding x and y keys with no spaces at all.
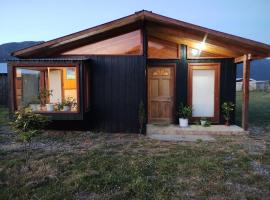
{"x":7,"y":48}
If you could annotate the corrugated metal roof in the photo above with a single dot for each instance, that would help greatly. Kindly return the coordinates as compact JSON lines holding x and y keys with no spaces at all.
{"x":77,"y":58}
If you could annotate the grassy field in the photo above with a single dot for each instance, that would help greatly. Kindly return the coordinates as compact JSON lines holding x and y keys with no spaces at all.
{"x":86,"y":165}
{"x":259,"y":108}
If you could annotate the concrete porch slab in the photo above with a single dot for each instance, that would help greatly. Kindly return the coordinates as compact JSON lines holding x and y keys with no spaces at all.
{"x":182,"y":138}
{"x":194,"y":130}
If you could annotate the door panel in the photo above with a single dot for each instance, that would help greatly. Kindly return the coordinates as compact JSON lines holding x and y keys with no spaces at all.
{"x":203,"y":82}
{"x":203,"y":90}
{"x":160,"y":94}
{"x":55,"y":84}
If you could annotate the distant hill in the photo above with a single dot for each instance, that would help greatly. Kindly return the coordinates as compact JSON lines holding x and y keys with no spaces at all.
{"x":6,"y":49}
{"x":259,"y":70}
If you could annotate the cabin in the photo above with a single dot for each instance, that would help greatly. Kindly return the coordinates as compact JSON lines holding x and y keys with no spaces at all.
{"x":97,"y":78}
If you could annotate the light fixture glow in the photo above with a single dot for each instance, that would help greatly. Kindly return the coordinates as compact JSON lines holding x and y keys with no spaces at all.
{"x":200,"y":46}
{"x":195,"y":52}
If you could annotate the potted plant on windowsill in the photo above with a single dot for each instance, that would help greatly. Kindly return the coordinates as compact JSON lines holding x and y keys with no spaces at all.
{"x":185,"y":112}
{"x":68,"y":103}
{"x":34,"y":105}
{"x":44,"y":95}
{"x":227,"y":108}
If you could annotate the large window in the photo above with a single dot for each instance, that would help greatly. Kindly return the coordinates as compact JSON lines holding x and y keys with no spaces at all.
{"x":47,"y":89}
{"x":126,"y":44}
{"x":158,"y":48}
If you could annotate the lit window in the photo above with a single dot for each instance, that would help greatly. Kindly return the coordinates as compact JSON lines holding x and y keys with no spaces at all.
{"x":47,"y":89}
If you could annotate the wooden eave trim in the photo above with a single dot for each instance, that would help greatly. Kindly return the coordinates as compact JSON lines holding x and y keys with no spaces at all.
{"x":248,"y":57}
{"x":159,"y":18}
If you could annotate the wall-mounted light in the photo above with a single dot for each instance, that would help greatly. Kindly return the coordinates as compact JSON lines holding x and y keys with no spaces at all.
{"x":200,"y":46}
{"x":195,"y":52}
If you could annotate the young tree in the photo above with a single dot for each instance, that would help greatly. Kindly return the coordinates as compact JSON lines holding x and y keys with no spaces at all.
{"x":28,"y":125}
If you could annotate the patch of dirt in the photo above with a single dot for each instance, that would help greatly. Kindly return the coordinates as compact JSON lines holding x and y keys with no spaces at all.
{"x":241,"y":190}
{"x":7,"y":136}
{"x":255,"y":147}
{"x":261,"y":169}
{"x":66,"y":141}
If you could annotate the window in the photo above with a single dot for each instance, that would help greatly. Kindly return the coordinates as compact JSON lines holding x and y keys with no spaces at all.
{"x":126,"y":44}
{"x":47,"y":89}
{"x":158,"y":48}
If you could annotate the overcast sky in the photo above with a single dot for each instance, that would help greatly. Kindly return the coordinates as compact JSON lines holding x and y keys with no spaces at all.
{"x":38,"y":20}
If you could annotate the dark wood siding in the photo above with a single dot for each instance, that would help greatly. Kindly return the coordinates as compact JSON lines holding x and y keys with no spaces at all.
{"x":3,"y":89}
{"x":117,"y":87}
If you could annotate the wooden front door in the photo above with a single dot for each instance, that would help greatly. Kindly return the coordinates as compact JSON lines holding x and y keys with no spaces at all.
{"x":161,"y":93}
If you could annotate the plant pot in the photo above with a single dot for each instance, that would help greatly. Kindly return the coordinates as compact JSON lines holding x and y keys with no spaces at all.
{"x":34,"y":107}
{"x":203,"y":122}
{"x":50,"y":107}
{"x":227,"y":123}
{"x":67,"y":108}
{"x":183,"y":122}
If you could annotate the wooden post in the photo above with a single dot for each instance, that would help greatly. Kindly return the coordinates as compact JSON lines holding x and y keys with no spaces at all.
{"x":245,"y":100}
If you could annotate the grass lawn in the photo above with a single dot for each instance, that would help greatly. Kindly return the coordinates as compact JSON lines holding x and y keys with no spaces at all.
{"x":3,"y":116}
{"x":259,"y":108}
{"x":86,"y":165}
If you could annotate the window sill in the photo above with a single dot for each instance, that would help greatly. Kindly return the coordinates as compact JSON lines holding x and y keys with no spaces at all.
{"x":56,"y":112}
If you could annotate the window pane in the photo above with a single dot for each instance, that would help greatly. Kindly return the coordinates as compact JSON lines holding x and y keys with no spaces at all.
{"x":28,"y":84}
{"x":47,"y":89}
{"x":158,"y":48}
{"x":126,"y":44}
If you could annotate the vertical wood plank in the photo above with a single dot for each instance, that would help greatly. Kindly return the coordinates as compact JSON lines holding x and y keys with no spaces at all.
{"x":245,"y":100}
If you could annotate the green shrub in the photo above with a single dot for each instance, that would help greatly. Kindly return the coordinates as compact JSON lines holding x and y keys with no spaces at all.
{"x":185,"y":111}
{"x":28,"y":124}
{"x":227,"y":108}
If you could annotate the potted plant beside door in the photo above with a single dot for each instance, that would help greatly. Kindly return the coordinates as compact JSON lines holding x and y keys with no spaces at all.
{"x":227,"y":108}
{"x":185,"y":112}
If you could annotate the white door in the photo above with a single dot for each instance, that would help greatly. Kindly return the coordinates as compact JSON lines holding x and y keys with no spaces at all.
{"x":203,"y":82}
{"x":55,"y":84}
{"x":203,"y":90}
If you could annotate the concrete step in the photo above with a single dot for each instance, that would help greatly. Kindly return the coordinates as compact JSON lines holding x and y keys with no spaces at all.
{"x":194,"y":130}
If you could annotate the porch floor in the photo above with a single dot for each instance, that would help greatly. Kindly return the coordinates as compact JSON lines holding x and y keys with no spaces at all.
{"x":154,"y":129}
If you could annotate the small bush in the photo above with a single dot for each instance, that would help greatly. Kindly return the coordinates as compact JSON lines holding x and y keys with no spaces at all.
{"x":227,"y":108}
{"x":28,"y":124}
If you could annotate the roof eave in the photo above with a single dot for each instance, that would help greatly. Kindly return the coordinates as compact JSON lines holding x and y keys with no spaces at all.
{"x":141,"y":15}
